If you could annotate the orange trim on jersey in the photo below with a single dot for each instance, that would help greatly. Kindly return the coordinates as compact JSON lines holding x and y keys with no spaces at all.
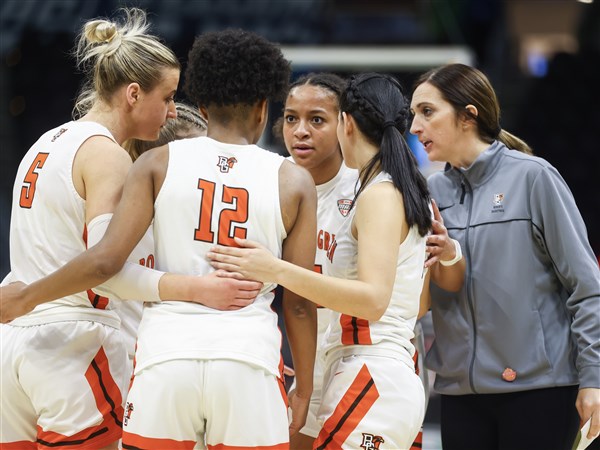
{"x":282,"y":446}
{"x":136,"y":442}
{"x":18,"y":445}
{"x":96,"y":300}
{"x":281,"y":381}
{"x":348,"y":413}
{"x":355,"y":330}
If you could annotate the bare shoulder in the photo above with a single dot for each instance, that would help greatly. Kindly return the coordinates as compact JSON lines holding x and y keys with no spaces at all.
{"x":157,"y":157}
{"x":382,"y":194}
{"x":380,"y":212}
{"x":297,"y":193}
{"x":104,"y":150}
{"x":295,"y":179}
{"x":152,"y":165}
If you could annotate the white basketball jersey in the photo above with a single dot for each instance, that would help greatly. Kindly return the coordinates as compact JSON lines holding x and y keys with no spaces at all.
{"x":333,"y":204}
{"x":394,"y":330}
{"x":47,"y":227}
{"x":212,"y":192}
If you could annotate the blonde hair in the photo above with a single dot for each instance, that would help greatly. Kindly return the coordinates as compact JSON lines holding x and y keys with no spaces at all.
{"x":112,"y":54}
{"x":189,"y":123}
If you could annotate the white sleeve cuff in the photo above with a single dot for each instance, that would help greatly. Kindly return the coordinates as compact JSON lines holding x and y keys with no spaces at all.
{"x":458,"y":256}
{"x":134,"y":281}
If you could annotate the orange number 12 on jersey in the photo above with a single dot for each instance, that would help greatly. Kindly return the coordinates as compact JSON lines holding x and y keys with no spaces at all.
{"x":238,"y":197}
{"x":28,"y":189}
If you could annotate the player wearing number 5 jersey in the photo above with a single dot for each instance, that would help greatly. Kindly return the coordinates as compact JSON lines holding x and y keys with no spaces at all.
{"x":63,"y":363}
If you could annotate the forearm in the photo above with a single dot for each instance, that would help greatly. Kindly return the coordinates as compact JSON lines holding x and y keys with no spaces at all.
{"x":351,"y":297}
{"x":449,"y":278}
{"x":87,"y":270}
{"x":180,"y":287}
{"x":300,"y":318}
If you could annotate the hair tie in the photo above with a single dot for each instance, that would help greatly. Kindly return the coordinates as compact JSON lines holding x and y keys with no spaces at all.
{"x":389,"y":123}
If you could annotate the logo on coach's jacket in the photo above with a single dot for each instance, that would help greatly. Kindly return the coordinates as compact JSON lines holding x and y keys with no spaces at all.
{"x":344,"y":205}
{"x":498,"y":203}
{"x":226,"y":163}
{"x":370,"y":441}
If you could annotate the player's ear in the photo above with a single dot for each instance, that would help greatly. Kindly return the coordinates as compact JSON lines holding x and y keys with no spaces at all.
{"x":264,"y":111}
{"x":132,"y":93}
{"x":347,"y":123}
{"x":203,"y":112}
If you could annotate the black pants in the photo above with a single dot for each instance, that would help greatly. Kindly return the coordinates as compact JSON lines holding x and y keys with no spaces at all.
{"x":540,"y":419}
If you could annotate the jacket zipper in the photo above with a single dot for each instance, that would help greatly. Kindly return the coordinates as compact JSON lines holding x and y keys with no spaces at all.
{"x":464,"y":186}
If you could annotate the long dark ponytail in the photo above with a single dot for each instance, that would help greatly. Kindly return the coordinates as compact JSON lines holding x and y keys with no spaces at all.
{"x":380,"y":110}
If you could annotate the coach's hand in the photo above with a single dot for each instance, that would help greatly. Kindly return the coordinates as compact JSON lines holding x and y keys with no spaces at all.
{"x":588,"y":406}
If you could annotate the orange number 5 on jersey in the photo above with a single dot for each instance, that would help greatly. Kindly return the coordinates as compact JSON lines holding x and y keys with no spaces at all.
{"x":28,"y":189}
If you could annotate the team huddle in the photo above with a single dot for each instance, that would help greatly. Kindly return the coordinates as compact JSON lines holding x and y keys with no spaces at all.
{"x":148,"y":236}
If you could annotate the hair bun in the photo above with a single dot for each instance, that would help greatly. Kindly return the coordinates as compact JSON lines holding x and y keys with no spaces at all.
{"x":100,"y":31}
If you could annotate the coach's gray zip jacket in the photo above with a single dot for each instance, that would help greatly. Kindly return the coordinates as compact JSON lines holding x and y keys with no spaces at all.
{"x":531,"y":298}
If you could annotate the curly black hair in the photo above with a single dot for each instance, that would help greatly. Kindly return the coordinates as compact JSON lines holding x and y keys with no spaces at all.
{"x":234,"y":66}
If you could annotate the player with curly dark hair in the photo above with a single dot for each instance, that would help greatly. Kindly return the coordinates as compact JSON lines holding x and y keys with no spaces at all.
{"x":235,"y":67}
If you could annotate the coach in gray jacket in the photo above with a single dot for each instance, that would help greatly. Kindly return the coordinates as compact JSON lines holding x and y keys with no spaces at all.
{"x":517,"y":348}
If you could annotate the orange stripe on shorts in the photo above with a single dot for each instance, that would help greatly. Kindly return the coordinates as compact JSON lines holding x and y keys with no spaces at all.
{"x":106,"y":391}
{"x":18,"y":445}
{"x":109,"y":403}
{"x":418,"y":443}
{"x":348,"y":413}
{"x":90,"y":438}
{"x":135,"y":442}
{"x":282,"y":446}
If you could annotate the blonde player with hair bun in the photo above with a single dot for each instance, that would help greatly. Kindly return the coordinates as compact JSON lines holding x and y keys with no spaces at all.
{"x":64,"y":372}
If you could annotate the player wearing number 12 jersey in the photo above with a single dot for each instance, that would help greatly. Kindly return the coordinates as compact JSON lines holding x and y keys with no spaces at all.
{"x":223,"y":368}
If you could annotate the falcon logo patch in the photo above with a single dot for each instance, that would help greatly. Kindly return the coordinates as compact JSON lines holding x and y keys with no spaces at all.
{"x":226,"y":163}
{"x":128,"y":411}
{"x":370,"y":441}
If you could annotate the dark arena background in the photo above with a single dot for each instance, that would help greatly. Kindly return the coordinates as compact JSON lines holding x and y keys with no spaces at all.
{"x":542,"y":56}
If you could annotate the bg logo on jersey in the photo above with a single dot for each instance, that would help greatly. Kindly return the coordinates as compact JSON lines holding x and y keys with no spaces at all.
{"x":370,"y":441}
{"x":226,"y":163}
